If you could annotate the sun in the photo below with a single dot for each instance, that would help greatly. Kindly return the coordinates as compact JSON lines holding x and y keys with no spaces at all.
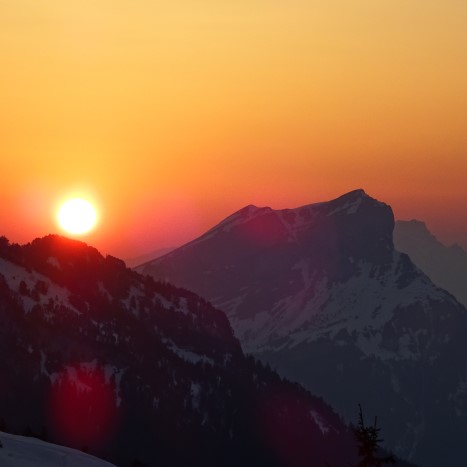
{"x":77,"y":216}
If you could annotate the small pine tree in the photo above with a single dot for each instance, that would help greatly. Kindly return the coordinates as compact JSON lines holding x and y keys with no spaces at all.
{"x":369,"y":444}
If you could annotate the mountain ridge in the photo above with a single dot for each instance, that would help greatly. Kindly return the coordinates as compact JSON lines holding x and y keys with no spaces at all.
{"x":445,"y":265}
{"x":336,"y":286}
{"x":99,"y":355}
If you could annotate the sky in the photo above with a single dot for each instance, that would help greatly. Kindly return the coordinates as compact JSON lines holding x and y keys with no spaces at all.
{"x":170,"y":115}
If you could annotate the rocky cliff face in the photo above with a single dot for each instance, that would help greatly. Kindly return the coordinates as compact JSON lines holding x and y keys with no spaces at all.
{"x":95,"y":355}
{"x":321,"y":294}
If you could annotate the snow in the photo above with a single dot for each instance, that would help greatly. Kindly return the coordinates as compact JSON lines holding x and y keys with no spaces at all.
{"x":104,"y":291}
{"x":19,"y":451}
{"x":14,"y":274}
{"x":349,"y":208}
{"x":187,"y":355}
{"x":109,"y":371}
{"x":238,"y":218}
{"x":323,"y":309}
{"x":71,"y":374}
{"x":133,"y":294}
{"x":163,"y":301}
{"x":320,"y":421}
{"x":183,"y":308}
{"x":54,"y":262}
{"x":43,"y":368}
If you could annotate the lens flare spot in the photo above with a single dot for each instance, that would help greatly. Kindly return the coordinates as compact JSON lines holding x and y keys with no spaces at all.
{"x":83,"y":407}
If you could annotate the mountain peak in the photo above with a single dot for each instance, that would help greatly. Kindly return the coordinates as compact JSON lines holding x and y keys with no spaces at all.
{"x":359,"y":220}
{"x":415,"y":225}
{"x":319,"y":233}
{"x":357,"y":193}
{"x":415,"y":230}
{"x":348,"y":203}
{"x":251,"y":210}
{"x":320,"y":293}
{"x":445,"y":265}
{"x":242,"y":215}
{"x":356,"y":196}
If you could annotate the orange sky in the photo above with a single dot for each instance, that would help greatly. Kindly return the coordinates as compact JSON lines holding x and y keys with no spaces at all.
{"x":173,"y":114}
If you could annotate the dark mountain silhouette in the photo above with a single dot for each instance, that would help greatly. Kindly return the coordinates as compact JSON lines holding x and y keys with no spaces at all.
{"x":140,"y":372}
{"x":445,"y":265}
{"x":320,"y":293}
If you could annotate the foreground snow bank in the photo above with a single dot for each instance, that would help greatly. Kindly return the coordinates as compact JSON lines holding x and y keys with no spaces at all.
{"x":19,"y":451}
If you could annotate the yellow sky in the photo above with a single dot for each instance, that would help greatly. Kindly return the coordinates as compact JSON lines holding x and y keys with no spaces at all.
{"x":172,"y":114}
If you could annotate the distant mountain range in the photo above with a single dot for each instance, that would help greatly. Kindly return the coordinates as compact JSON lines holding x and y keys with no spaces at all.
{"x":138,"y":260}
{"x":20,"y":451}
{"x":445,"y":265}
{"x":96,"y":356}
{"x":321,"y":294}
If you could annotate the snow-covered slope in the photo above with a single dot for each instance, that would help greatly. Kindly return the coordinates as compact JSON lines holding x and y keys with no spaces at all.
{"x":19,"y":451}
{"x":445,"y":265}
{"x":320,"y":293}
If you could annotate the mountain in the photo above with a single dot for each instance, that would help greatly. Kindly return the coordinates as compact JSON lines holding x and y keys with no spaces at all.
{"x":19,"y":451}
{"x":96,"y":356}
{"x":445,"y":265}
{"x":133,"y":262}
{"x":320,"y":293}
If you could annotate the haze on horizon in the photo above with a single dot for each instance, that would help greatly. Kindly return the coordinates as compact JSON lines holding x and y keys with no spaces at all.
{"x":172,"y":115}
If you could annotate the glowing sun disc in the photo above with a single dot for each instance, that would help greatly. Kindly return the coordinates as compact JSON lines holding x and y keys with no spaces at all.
{"x":77,"y":216}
